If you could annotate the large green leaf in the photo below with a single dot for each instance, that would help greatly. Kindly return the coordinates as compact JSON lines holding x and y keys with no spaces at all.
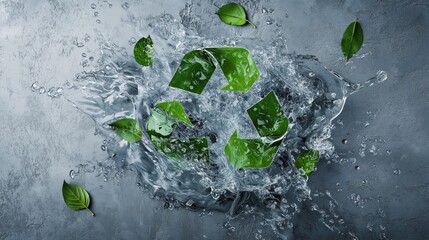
{"x":352,"y":39}
{"x":268,"y":117}
{"x":128,"y":129}
{"x":238,"y":66}
{"x":249,"y":153}
{"x":194,"y":72}
{"x":143,"y":51}
{"x":75,"y":197}
{"x":307,"y":160}
{"x":175,"y":109}
{"x":233,"y":14}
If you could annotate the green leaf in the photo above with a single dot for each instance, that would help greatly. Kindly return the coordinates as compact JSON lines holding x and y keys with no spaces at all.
{"x":194,"y":72}
{"x":75,"y":197}
{"x":307,"y":160}
{"x":238,"y":66}
{"x":160,"y":124}
{"x":196,"y":149}
{"x":352,"y":39}
{"x":268,"y":117}
{"x":128,"y":129}
{"x":233,"y":14}
{"x":144,"y":51}
{"x":249,"y":153}
{"x":175,"y":109}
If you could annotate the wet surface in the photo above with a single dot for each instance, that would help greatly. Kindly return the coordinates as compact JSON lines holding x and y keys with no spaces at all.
{"x":379,"y":190}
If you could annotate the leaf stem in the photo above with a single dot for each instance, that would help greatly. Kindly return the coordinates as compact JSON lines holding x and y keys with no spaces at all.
{"x":92,"y":213}
{"x":253,"y":25}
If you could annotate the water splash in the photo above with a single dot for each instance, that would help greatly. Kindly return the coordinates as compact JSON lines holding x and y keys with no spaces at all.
{"x":311,"y":95}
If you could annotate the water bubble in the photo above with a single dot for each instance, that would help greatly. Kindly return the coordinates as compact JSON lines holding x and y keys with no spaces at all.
{"x":93,"y":6}
{"x":397,"y":171}
{"x":35,"y":86}
{"x":95,"y":14}
{"x":98,"y":21}
{"x":80,"y":44}
{"x":357,"y":167}
{"x":344,"y":141}
{"x":125,"y":5}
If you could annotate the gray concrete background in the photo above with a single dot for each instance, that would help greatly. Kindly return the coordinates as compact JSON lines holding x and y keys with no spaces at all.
{"x":42,"y":139}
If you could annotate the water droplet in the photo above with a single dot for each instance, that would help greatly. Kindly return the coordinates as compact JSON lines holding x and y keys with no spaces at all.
{"x":91,"y":58}
{"x":35,"y":86}
{"x":42,"y":90}
{"x":72,"y":174}
{"x":103,"y":147}
{"x":344,"y":141}
{"x":93,"y":6}
{"x":95,"y":14}
{"x":83,"y":54}
{"x":80,"y":44}
{"x":132,"y":41}
{"x":98,"y":21}
{"x":397,"y":171}
{"x":87,"y":37}
{"x":269,"y":21}
{"x":125,"y":5}
{"x":357,"y":167}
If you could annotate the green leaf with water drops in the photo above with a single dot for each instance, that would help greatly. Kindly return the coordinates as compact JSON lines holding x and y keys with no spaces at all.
{"x":160,"y":125}
{"x":268,"y":117}
{"x":75,"y":197}
{"x":237,"y":65}
{"x":194,"y":149}
{"x":307,"y":160}
{"x":175,"y":109}
{"x":144,"y":51}
{"x":128,"y":129}
{"x":233,"y":14}
{"x":352,"y":39}
{"x":194,"y":72}
{"x":249,"y":153}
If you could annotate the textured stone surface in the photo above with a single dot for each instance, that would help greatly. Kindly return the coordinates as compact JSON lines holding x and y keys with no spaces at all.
{"x":42,"y":139}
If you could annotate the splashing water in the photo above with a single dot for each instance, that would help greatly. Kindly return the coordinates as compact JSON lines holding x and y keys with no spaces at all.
{"x":311,"y":96}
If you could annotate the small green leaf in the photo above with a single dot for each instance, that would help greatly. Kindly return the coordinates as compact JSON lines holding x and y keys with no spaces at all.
{"x":128,"y":129}
{"x":268,"y":117}
{"x":160,"y":124}
{"x":194,"y":72}
{"x":175,"y":109}
{"x":249,"y":153}
{"x":144,"y":51}
{"x":75,"y":197}
{"x":233,"y":14}
{"x":352,"y":39}
{"x":307,"y":160}
{"x":238,"y":66}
